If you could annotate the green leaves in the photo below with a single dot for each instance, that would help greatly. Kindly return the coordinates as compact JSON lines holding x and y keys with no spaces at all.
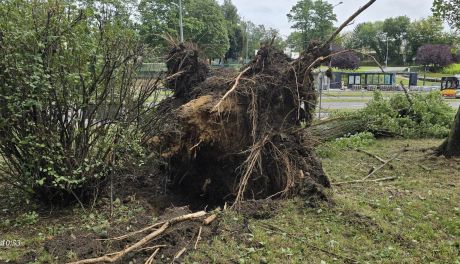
{"x":429,"y":116}
{"x":314,"y":19}
{"x":62,"y":70}
{"x":448,"y":10}
{"x":203,"y":21}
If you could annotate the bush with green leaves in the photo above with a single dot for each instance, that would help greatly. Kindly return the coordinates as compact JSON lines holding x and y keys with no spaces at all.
{"x":425,"y":115}
{"x":359,"y":140}
{"x":69,"y":103}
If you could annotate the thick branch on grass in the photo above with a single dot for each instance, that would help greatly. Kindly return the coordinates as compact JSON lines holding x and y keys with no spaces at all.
{"x":383,"y":165}
{"x":364,"y":181}
{"x":113,"y":257}
{"x":372,"y":155}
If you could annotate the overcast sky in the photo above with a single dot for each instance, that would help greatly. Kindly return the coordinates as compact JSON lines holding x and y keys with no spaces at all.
{"x":272,"y":13}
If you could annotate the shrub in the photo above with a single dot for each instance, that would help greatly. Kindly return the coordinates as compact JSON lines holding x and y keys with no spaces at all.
{"x":429,"y":115}
{"x":68,"y":100}
{"x":348,"y":60}
{"x":330,"y":149}
{"x":452,"y":69}
{"x":434,"y":55}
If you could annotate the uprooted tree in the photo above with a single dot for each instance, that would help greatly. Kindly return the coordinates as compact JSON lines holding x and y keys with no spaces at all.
{"x":451,"y":146}
{"x":235,"y":136}
{"x":243,"y":142}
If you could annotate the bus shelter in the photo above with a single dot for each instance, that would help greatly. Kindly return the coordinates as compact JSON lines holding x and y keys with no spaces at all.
{"x":362,"y":79}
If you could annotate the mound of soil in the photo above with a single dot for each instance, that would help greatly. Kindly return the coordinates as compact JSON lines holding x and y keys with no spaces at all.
{"x":230,"y":136}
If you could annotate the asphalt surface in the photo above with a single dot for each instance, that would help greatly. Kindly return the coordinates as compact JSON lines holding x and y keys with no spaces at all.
{"x":360,"y":104}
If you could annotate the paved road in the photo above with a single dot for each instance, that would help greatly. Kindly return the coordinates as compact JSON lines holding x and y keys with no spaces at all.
{"x":361,"y":104}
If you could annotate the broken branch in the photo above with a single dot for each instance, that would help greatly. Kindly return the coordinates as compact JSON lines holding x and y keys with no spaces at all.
{"x":113,"y":257}
{"x":382,"y":166}
{"x":362,"y":181}
{"x":347,"y":22}
{"x":152,"y":257}
{"x":210,"y":219}
{"x":198,"y":238}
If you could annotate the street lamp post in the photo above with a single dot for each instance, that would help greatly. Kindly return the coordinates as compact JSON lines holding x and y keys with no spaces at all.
{"x":181,"y":24}
{"x":386,"y":59}
{"x":330,"y":60}
{"x":338,"y":4}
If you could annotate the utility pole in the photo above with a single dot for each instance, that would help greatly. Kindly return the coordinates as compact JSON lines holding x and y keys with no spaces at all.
{"x":386,"y":59}
{"x":247,"y":40}
{"x":320,"y":76}
{"x":181,"y":24}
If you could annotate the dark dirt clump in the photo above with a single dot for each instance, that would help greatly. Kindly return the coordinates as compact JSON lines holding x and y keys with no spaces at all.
{"x":236,"y":136}
{"x":79,"y":244}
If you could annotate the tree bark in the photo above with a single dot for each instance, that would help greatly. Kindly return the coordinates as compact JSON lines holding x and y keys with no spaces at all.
{"x":451,"y":146}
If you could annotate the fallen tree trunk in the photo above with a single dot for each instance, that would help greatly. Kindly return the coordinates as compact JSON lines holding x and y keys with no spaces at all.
{"x":335,"y":128}
{"x":451,"y":146}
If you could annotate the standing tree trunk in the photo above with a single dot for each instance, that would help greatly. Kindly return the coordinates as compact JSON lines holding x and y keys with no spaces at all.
{"x":451,"y":146}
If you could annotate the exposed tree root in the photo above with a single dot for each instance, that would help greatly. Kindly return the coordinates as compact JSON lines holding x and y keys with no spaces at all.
{"x":237,"y":81}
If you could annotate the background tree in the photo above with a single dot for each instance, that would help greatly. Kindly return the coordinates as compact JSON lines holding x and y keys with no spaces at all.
{"x":373,"y":36}
{"x":368,"y":38}
{"x":294,"y":41}
{"x":204,"y":24}
{"x":346,"y":61}
{"x":426,"y":31}
{"x":448,"y":10}
{"x":396,"y":30}
{"x":234,"y":29}
{"x":314,"y":19}
{"x":258,"y":35}
{"x":435,"y":56}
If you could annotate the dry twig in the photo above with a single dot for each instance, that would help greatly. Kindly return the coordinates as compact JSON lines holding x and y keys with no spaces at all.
{"x":177,"y":256}
{"x":198,"y":238}
{"x":383,"y":165}
{"x":237,"y":81}
{"x":152,"y":257}
{"x":362,"y":181}
{"x":372,"y":155}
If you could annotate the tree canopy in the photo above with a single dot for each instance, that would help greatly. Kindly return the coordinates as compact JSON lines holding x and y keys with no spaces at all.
{"x":347,"y":60}
{"x":234,"y":30}
{"x":434,"y":55}
{"x":204,"y":24}
{"x":404,"y":37}
{"x":314,"y":19}
{"x":448,"y":10}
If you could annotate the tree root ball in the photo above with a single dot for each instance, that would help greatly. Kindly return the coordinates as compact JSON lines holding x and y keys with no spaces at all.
{"x":238,"y":136}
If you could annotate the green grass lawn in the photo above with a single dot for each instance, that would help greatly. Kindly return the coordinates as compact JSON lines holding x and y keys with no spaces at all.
{"x":419,"y":82}
{"x":414,"y":219}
